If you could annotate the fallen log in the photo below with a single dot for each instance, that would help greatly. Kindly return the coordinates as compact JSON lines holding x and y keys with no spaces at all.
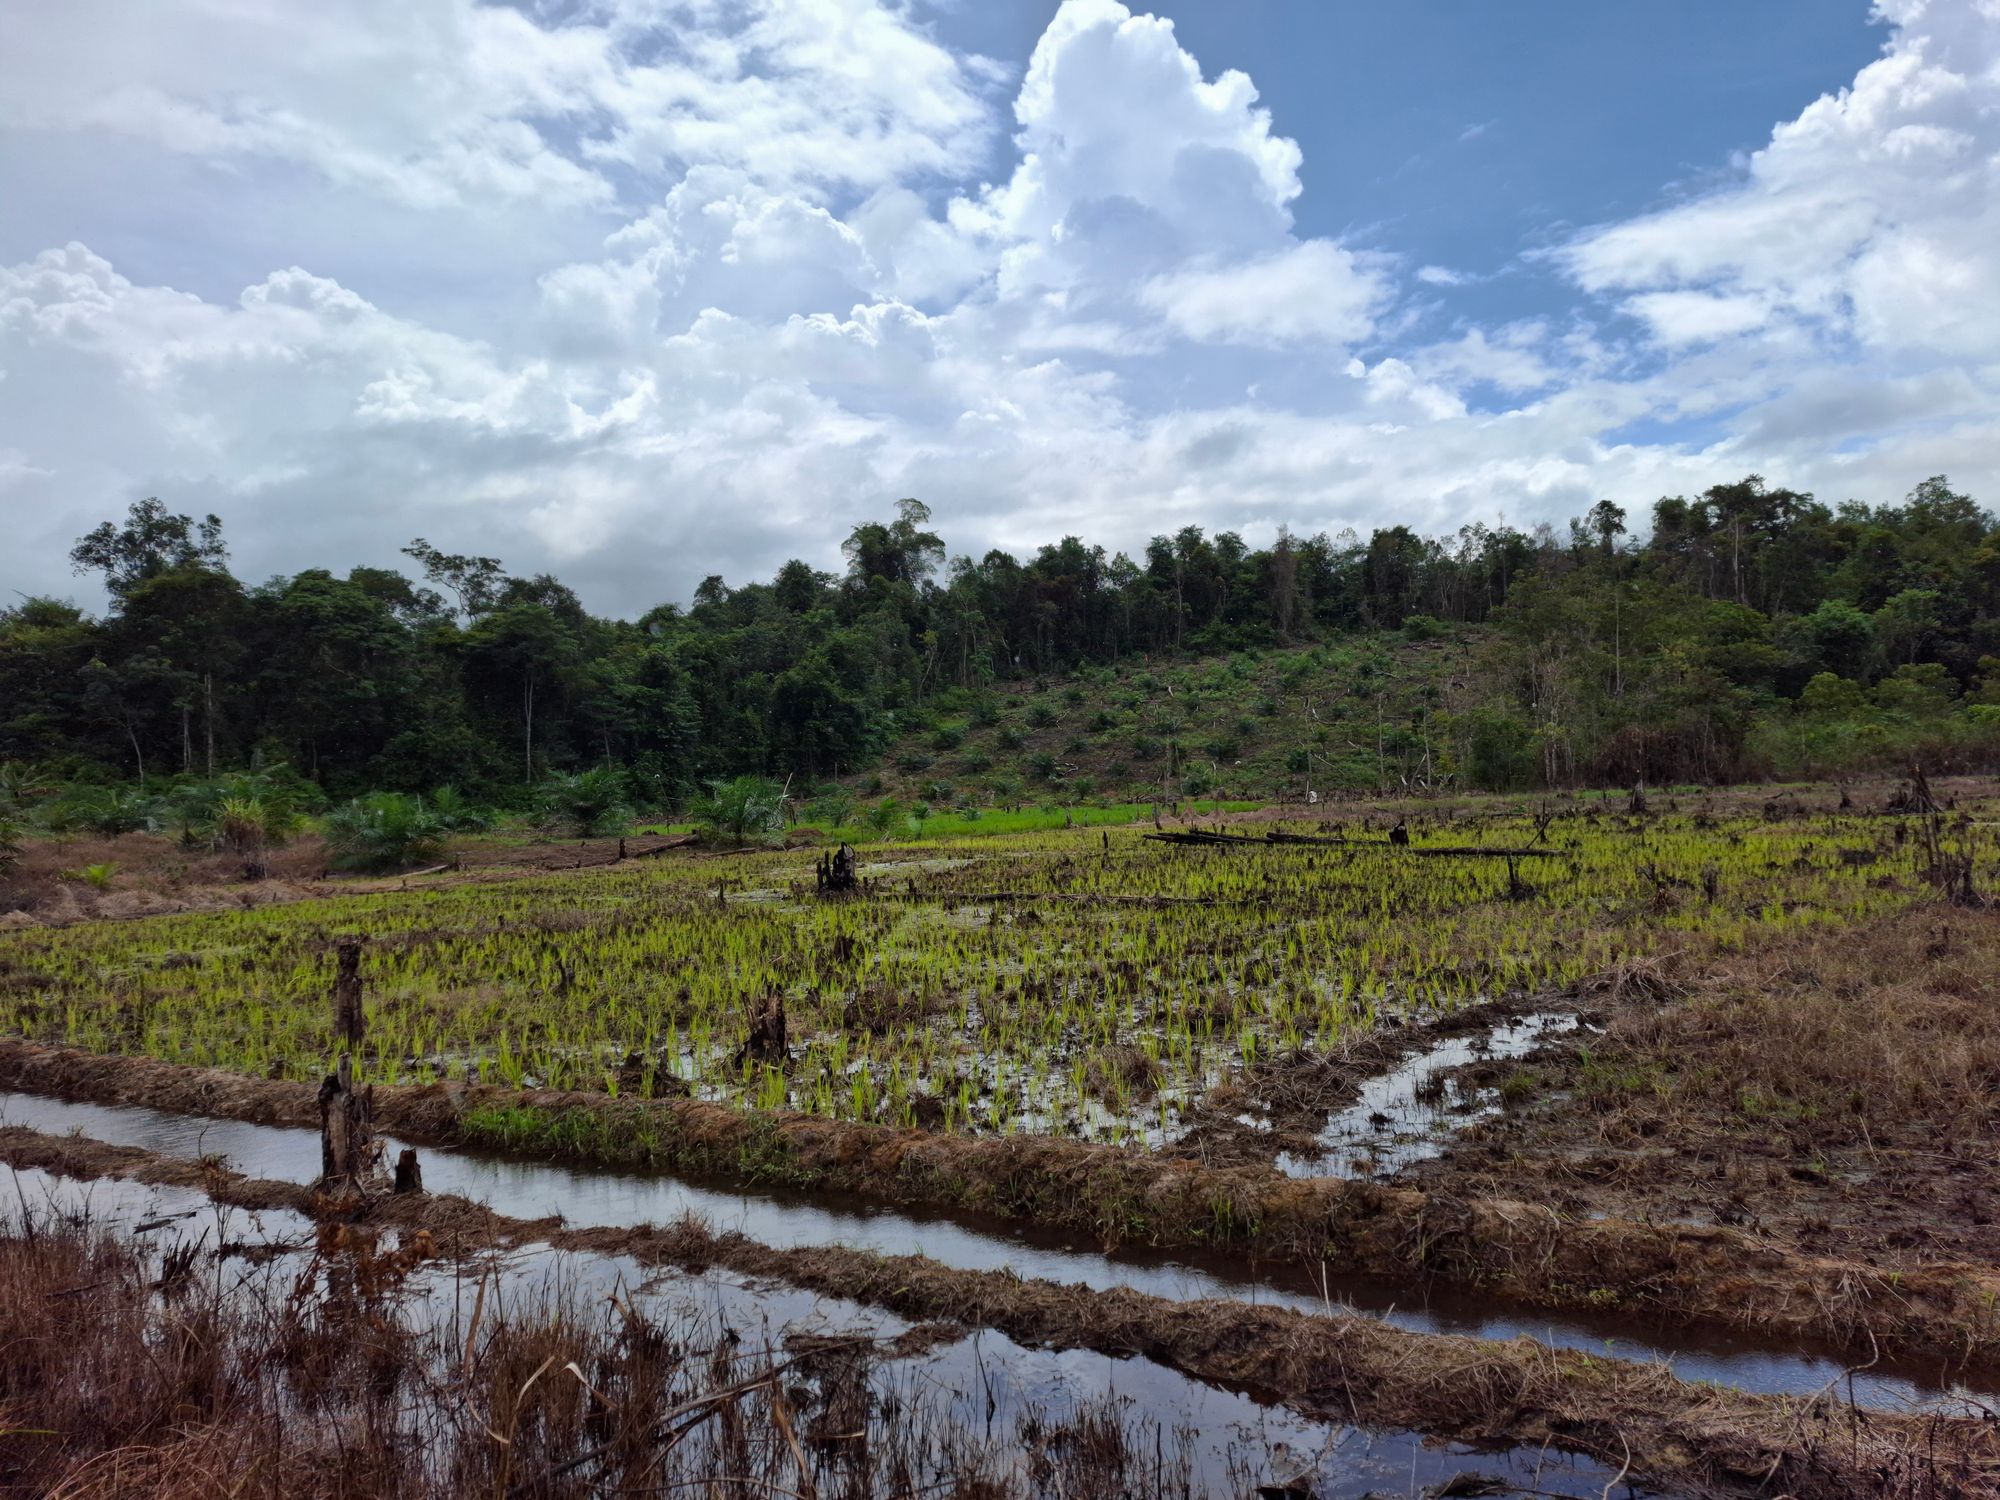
{"x":1204,"y":837}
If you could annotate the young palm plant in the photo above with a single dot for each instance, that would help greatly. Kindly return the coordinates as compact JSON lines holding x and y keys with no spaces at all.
{"x":739,"y":808}
{"x":384,"y":831}
{"x":590,"y":804}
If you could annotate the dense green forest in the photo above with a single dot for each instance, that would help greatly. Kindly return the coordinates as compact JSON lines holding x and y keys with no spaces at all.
{"x":1750,"y":631}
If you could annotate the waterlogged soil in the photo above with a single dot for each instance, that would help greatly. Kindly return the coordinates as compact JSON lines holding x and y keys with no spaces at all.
{"x":608,"y":1200}
{"x":1505,"y":1249}
{"x":1385,"y":1098}
{"x":1408,"y":1114}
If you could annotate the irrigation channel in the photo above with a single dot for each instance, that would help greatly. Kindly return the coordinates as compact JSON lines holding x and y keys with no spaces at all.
{"x":595,"y":1199}
{"x":1204,"y":1439}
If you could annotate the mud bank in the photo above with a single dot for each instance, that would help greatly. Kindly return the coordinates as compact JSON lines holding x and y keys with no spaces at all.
{"x":1639,"y":1418}
{"x":1531,"y":1253}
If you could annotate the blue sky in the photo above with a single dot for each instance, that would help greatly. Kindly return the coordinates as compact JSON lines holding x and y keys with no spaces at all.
{"x":640,"y":290}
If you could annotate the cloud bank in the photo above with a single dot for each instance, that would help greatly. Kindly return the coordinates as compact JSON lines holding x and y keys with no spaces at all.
{"x":704,"y":282}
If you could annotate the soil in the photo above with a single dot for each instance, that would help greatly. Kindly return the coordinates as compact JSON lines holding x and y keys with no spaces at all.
{"x":157,"y":876}
{"x":1837,"y":1095}
{"x":1655,"y":1427}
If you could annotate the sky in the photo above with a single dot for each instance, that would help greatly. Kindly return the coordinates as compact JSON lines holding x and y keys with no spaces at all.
{"x":638,"y":291}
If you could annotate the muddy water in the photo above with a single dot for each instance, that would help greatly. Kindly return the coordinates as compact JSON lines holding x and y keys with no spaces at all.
{"x":592,"y":1199}
{"x":1208,"y":1440}
{"x":1410,"y":1113}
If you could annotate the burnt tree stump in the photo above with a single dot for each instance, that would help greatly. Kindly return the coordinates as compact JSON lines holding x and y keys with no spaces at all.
{"x":766,"y":1042}
{"x":838,"y":873}
{"x":350,"y":1155}
{"x":348,"y":1020}
{"x":409,"y":1176}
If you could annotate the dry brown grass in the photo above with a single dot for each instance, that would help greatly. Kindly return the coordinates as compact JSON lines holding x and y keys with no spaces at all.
{"x":1886,"y":1035}
{"x":155,"y":875}
{"x":1840,"y":1092}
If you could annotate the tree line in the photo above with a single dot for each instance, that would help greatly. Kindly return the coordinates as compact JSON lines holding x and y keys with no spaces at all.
{"x":1749,"y":629}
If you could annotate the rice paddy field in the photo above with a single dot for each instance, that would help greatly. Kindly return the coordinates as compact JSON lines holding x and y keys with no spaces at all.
{"x":1421,"y":1148}
{"x":1093,"y":984}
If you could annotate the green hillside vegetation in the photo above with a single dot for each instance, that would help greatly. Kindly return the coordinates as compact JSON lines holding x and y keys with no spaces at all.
{"x":1752,"y":632}
{"x":1367,"y":712}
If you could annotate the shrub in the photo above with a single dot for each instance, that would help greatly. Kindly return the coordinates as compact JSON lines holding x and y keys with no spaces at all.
{"x":832,"y":808}
{"x":888,"y":818}
{"x":244,"y":811}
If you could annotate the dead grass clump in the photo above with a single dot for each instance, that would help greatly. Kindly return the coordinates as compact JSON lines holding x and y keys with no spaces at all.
{"x":878,"y":1008}
{"x":1122,"y":1073}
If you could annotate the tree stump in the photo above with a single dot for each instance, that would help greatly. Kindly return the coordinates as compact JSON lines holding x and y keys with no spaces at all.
{"x":766,"y":1042}
{"x":349,"y":1154}
{"x":838,"y":873}
{"x":348,"y":1020}
{"x":409,"y":1176}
